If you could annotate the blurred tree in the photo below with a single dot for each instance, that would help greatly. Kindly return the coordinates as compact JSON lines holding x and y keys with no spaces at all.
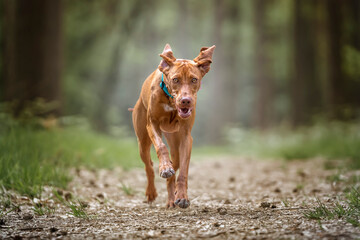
{"x":123,"y":29}
{"x":231,"y":74}
{"x":32,"y":54}
{"x":336,"y":77}
{"x":218,"y":100}
{"x":304,"y":84}
{"x":263,"y":110}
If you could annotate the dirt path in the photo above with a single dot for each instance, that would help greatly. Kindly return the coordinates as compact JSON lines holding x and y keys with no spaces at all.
{"x":230,"y":199}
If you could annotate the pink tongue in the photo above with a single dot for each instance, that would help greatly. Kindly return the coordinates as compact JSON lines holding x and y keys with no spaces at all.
{"x":184,"y":110}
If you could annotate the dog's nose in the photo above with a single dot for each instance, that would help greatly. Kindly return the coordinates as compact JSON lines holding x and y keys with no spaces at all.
{"x":186,"y":101}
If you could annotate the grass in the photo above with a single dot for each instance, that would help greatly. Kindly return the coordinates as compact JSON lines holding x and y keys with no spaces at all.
{"x":129,"y":191}
{"x":348,"y":209}
{"x":41,"y":210}
{"x":78,"y":210}
{"x":32,"y":157}
{"x":6,"y":205}
{"x":285,"y":202}
{"x":334,"y":140}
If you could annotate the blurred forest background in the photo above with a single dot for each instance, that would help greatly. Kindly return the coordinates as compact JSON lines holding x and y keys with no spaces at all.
{"x":277,"y":62}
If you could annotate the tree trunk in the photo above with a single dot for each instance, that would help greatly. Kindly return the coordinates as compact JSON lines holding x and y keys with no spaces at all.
{"x":33,"y":52}
{"x":264,"y":84}
{"x":335,"y":74}
{"x":304,"y":85}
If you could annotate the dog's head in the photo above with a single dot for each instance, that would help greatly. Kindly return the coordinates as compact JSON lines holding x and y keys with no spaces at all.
{"x":183,"y":77}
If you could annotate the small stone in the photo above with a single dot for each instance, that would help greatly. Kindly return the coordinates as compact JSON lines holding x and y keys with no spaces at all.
{"x":60,"y":192}
{"x":68,"y":196}
{"x":227,"y":201}
{"x":273,"y":206}
{"x":295,"y":190}
{"x":100,"y":195}
{"x":205,"y":209}
{"x":84,"y":204}
{"x":28,"y":217}
{"x":163,"y":231}
{"x":301,"y":173}
{"x":315,"y":190}
{"x":216,"y":224}
{"x":231,"y":179}
{"x":277,"y":190}
{"x":265,"y":205}
{"x":53,"y":229}
{"x":92,"y":182}
{"x":222,"y":211}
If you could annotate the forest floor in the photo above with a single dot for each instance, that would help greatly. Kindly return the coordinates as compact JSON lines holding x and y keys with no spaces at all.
{"x":230,"y":199}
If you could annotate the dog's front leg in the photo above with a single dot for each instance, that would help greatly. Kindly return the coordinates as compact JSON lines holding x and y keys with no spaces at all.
{"x":166,"y":169}
{"x":181,"y":196}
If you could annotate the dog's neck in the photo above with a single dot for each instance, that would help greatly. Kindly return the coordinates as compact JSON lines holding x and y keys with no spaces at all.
{"x":163,"y":86}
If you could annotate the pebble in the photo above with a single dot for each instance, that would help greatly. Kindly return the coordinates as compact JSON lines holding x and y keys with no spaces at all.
{"x":28,"y":217}
{"x":265,"y":205}
{"x":222,"y":211}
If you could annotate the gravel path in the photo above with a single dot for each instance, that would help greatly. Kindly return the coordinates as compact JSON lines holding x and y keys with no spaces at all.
{"x":230,"y":199}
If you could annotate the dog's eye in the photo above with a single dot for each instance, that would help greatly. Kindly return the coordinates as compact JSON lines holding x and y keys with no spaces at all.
{"x":175,"y":80}
{"x":194,"y":80}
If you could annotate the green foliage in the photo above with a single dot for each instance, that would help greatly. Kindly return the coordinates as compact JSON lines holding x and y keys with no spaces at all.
{"x":78,"y":210}
{"x":319,"y":212}
{"x":128,"y":190}
{"x":285,"y":202}
{"x":6,"y":205}
{"x":350,"y":209}
{"x":41,"y":210}
{"x":333,"y":141}
{"x":31,"y":157}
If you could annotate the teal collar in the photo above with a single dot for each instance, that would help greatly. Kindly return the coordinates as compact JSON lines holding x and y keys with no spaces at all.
{"x":163,"y":86}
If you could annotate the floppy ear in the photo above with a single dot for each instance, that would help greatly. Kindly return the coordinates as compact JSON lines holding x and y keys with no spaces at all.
{"x":205,"y":59}
{"x":168,"y":59}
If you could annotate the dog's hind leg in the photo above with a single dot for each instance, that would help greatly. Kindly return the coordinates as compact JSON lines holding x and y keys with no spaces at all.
{"x":139,"y":121}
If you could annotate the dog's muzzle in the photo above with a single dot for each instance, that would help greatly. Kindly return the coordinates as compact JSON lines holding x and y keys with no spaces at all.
{"x":185,"y":107}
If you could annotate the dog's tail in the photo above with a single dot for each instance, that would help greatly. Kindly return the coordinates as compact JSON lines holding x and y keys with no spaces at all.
{"x":130,"y":109}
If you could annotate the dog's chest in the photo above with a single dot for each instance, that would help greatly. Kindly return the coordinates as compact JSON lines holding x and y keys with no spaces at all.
{"x":170,"y":123}
{"x":168,"y":108}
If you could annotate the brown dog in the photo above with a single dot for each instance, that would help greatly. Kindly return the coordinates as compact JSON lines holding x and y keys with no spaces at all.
{"x":167,"y":106}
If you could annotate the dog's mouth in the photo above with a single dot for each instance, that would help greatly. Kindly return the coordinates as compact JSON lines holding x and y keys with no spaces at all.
{"x":184,"y":112}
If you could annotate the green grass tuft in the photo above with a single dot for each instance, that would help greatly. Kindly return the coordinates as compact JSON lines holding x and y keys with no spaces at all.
{"x":41,"y":210}
{"x":350,"y":209}
{"x":127,"y":189}
{"x":78,"y":210}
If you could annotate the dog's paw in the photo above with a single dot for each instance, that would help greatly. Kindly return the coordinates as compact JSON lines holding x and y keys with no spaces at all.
{"x":170,"y":204}
{"x":168,"y":172}
{"x":183,"y":203}
{"x":151,"y":196}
